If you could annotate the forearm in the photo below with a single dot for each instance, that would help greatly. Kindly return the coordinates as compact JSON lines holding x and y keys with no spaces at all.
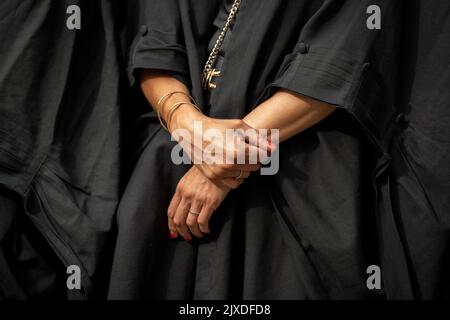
{"x":288,"y":112}
{"x":156,"y":84}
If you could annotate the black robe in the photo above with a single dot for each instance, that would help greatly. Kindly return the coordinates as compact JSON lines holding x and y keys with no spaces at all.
{"x":308,"y":232}
{"x":60,"y":93}
{"x":413,"y":179}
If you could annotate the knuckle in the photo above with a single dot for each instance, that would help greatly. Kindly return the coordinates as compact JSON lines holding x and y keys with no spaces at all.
{"x":236,"y":123}
{"x":212,"y":204}
{"x":178,"y":222}
{"x":189,"y":195}
{"x":180,"y":187}
{"x":213,"y":172}
{"x":240,"y":124}
{"x":232,"y":185}
{"x":209,"y":174}
{"x":198,"y":192}
{"x":215,"y":204}
{"x":202,"y":222}
{"x":190,"y":223}
{"x":219,"y":170}
{"x":208,"y":199}
{"x":227,"y":166}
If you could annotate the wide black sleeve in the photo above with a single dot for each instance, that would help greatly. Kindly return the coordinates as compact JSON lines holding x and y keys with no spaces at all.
{"x":339,"y":60}
{"x":159,"y":43}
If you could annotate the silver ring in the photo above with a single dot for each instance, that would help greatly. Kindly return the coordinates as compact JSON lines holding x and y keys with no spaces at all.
{"x":240,"y":175}
{"x":194,"y":213}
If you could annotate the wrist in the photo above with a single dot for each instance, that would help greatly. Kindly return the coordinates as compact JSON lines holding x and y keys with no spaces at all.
{"x":167,"y":104}
{"x":184,"y":117}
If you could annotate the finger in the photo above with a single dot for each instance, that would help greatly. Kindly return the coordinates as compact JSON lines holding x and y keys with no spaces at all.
{"x":180,"y":220}
{"x":238,"y":175}
{"x":224,"y":173}
{"x":172,"y":229}
{"x":248,"y":167}
{"x":192,"y":217}
{"x":261,"y":138}
{"x":259,"y":146}
{"x":171,"y":213}
{"x":219,"y":172}
{"x":174,"y":204}
{"x":234,"y":170}
{"x":265,"y":140}
{"x":232,"y":183}
{"x":203,"y":218}
{"x":206,"y":171}
{"x":243,"y":153}
{"x":254,"y":154}
{"x":192,"y":223}
{"x":245,"y":169}
{"x":240,"y":151}
{"x":245,"y":175}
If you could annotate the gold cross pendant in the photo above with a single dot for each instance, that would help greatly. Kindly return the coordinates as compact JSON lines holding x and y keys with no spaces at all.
{"x":208,"y":79}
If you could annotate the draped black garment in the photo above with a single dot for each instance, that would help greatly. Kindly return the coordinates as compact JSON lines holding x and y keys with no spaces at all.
{"x":60,"y":95}
{"x":310,"y":231}
{"x":413,"y":181}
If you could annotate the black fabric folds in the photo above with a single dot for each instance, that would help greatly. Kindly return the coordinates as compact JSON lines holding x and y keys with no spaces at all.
{"x":60,"y":96}
{"x":307,"y":232}
{"x":86,"y":174}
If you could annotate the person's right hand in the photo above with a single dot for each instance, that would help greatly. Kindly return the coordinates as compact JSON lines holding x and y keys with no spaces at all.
{"x":223,"y":149}
{"x":203,"y":149}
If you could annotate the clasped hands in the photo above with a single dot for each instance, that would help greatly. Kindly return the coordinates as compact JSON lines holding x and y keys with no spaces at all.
{"x":219,"y":166}
{"x":200,"y":192}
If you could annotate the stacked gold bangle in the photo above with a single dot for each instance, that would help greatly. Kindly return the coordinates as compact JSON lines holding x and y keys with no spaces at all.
{"x":173,"y":108}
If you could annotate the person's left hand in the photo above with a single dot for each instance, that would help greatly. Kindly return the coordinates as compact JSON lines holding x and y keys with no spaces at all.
{"x":195,"y":200}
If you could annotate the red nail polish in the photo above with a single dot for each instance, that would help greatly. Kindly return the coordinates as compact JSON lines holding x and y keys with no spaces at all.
{"x":173,"y":236}
{"x":188,"y":239}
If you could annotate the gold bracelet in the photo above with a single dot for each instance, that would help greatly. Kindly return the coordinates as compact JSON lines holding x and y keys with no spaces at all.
{"x":167,"y":96}
{"x":161,"y":120}
{"x":161,"y":102}
{"x":175,"y":108}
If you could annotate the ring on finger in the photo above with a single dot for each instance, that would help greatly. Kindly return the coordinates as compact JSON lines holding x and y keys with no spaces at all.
{"x":239,"y":177}
{"x":194,"y":212}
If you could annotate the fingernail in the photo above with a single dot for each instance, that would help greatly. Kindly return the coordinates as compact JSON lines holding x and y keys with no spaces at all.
{"x":173,"y":236}
{"x":187,"y":239}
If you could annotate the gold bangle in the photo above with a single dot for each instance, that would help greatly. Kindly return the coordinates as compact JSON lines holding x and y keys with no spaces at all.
{"x":164,"y":98}
{"x":161,"y":121}
{"x":175,"y":108}
{"x":161,"y":102}
{"x":167,"y":96}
